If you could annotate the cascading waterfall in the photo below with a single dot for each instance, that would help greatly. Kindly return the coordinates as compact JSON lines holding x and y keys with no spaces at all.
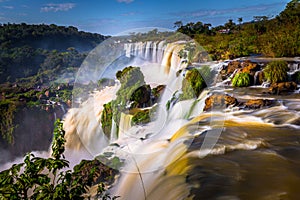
{"x":82,"y":125}
{"x":125,"y":124}
{"x":169,"y":157}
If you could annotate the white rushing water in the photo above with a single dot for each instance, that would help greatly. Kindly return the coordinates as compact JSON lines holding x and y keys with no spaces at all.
{"x":158,"y":156}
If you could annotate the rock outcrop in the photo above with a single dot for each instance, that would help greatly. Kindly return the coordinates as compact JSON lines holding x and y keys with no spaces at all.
{"x":219,"y":101}
{"x":257,"y":103}
{"x":277,"y":88}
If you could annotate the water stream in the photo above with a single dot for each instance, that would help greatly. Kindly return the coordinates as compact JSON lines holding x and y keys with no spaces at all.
{"x":185,"y":153}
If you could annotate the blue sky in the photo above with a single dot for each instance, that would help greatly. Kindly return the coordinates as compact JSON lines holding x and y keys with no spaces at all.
{"x":111,"y":17}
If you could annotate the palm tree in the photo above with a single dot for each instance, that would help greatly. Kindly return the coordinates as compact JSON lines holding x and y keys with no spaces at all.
{"x":240,"y":20}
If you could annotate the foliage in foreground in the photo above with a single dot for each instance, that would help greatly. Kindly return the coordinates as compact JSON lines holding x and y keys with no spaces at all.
{"x":40,"y":178}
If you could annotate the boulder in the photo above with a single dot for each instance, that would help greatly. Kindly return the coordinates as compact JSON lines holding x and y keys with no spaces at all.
{"x":232,"y":66}
{"x":257,"y":103}
{"x":219,"y":101}
{"x":249,"y":67}
{"x":277,"y":88}
{"x":192,"y":84}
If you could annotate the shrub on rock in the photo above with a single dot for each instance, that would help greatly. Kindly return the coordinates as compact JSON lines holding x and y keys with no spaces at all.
{"x":276,"y":71}
{"x":241,"y":80}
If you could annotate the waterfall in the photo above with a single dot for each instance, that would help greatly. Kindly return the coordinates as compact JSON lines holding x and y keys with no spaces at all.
{"x":256,"y":77}
{"x":113,"y":132}
{"x":125,"y":124}
{"x":162,"y":53}
{"x":294,"y":67}
{"x":155,"y":155}
{"x":82,"y":125}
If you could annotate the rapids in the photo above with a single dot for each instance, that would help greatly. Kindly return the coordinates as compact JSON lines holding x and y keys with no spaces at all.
{"x":185,"y":153}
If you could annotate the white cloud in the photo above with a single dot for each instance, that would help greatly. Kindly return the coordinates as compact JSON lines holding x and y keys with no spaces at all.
{"x":129,"y":14}
{"x":8,"y":7}
{"x":202,"y":13}
{"x":125,"y":1}
{"x":52,"y":7}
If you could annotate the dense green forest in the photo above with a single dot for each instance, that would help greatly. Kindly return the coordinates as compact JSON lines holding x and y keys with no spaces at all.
{"x":28,"y":50}
{"x":38,"y":64}
{"x":271,"y":37}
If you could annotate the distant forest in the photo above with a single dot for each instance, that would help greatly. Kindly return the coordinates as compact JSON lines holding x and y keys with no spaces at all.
{"x":28,"y":50}
{"x":274,"y":37}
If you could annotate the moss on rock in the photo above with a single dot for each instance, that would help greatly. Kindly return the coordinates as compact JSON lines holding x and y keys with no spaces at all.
{"x":106,"y":119}
{"x":192,"y":84}
{"x":141,"y":117}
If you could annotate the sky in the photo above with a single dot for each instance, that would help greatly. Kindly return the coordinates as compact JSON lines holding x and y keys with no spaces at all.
{"x":111,"y":17}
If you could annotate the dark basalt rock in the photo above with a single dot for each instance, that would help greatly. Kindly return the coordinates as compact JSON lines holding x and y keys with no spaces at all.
{"x":141,"y":96}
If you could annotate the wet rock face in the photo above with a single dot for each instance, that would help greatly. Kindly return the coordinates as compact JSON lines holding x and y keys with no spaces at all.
{"x":219,"y":101}
{"x":277,"y":88}
{"x":296,"y":77}
{"x":141,"y":96}
{"x":260,"y":78}
{"x":257,"y":103}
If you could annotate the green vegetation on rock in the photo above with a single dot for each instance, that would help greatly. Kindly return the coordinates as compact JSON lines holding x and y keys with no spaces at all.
{"x":276,"y":71}
{"x":241,"y":80}
{"x":192,"y":84}
{"x":141,"y":117}
{"x":7,"y":126}
{"x":106,"y":119}
{"x":131,"y":78}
